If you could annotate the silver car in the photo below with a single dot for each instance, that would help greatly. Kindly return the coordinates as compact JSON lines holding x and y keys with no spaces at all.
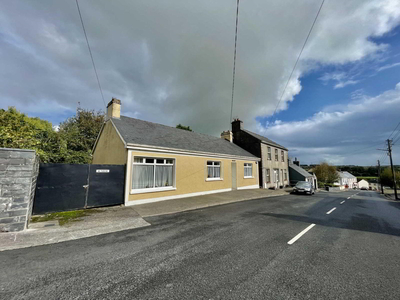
{"x":303,"y":187}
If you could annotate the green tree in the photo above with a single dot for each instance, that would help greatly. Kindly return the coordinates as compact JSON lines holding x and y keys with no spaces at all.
{"x":180,"y":126}
{"x":326,"y":174}
{"x":79,"y":134}
{"x":387,"y":177}
{"x":73,"y":143}
{"x":20,"y":131}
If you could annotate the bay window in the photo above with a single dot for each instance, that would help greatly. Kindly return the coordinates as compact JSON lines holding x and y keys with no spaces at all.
{"x":248,"y":170}
{"x":152,"y":173}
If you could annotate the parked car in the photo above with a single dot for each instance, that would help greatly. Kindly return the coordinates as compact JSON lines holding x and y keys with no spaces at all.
{"x":303,"y":187}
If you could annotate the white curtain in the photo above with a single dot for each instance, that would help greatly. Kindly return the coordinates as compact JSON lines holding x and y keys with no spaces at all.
{"x":213,"y":171}
{"x":164,"y":176}
{"x":143,"y":177}
{"x":248,"y":171}
{"x":210,"y":172}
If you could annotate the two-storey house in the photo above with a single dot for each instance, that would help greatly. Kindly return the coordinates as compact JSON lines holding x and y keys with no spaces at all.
{"x":273,"y":168}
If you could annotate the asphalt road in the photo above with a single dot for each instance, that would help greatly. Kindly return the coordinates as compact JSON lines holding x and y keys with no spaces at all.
{"x":234,"y":251}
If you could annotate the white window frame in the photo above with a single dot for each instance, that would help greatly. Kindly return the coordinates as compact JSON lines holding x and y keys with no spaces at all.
{"x":248,"y":166}
{"x":283,"y":156}
{"x":286,"y":178}
{"x":269,"y":156}
{"x":154,"y":189}
{"x":214,"y":166}
{"x":268,"y":175}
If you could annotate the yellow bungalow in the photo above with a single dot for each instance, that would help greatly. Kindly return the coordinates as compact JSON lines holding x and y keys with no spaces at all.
{"x":165,"y":163}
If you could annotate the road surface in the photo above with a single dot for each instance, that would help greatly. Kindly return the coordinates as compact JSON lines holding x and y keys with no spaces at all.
{"x":259,"y":249}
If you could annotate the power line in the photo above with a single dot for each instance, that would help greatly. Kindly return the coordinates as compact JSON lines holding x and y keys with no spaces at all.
{"x":396,"y":137}
{"x":234,"y":59}
{"x":360,"y":150}
{"x":90,"y":52}
{"x":394,"y":130}
{"x":305,"y":42}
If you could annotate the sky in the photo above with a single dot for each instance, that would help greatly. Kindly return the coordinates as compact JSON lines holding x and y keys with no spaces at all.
{"x":171,"y":62}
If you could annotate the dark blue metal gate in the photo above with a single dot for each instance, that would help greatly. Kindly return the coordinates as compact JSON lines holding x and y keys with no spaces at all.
{"x":63,"y":187}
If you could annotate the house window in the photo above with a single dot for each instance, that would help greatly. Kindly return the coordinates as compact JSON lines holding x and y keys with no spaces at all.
{"x":268,"y":175}
{"x":248,"y":170}
{"x":152,"y":173}
{"x":282,"y":175}
{"x":285,"y":174}
{"x":276,"y":155}
{"x":213,"y":170}
{"x":269,"y":153}
{"x":282,"y":155}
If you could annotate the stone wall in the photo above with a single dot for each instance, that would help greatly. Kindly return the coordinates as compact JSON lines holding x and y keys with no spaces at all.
{"x":18,"y":173}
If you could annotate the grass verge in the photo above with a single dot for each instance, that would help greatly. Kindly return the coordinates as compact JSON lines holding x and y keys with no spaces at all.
{"x":66,"y":216}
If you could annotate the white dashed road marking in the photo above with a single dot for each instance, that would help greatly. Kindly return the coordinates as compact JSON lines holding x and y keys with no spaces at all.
{"x":300,"y":234}
{"x":343,"y":202}
{"x":331,"y":211}
{"x":348,"y":197}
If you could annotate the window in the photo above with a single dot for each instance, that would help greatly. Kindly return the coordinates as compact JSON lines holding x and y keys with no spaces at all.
{"x":213,"y":170}
{"x":285,"y":174}
{"x":282,"y":175}
{"x":269,"y":153}
{"x":283,"y":155}
{"x":152,"y":173}
{"x":268,"y":175}
{"x":248,"y":170}
{"x":276,"y":155}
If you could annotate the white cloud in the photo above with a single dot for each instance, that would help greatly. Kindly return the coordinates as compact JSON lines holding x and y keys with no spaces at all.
{"x":385,"y":67}
{"x":342,"y":84}
{"x":335,"y":136}
{"x":171,"y":61}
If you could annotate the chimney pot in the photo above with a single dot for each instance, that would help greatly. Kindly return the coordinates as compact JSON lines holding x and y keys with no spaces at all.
{"x":227,"y":135}
{"x":114,"y":108}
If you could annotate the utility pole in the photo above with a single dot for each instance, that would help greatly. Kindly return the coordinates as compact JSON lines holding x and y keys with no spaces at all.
{"x":379,"y":176}
{"x":389,"y":142}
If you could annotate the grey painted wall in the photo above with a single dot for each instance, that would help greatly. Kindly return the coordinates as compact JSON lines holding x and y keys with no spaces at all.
{"x":18,"y":173}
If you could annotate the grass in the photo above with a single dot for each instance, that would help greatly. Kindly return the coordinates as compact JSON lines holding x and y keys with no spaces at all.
{"x":66,"y":216}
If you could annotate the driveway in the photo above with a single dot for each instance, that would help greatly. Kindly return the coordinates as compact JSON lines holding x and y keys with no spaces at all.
{"x":233,"y":251}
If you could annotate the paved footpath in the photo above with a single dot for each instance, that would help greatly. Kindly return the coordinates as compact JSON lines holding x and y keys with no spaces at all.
{"x":327,"y":246}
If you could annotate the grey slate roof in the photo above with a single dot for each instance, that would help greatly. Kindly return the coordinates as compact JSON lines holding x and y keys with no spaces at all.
{"x":346,"y":174}
{"x":299,"y":170}
{"x":141,"y":132}
{"x":264,"y":139}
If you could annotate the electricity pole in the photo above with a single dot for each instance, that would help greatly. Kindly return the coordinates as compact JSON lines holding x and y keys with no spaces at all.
{"x":389,"y":142}
{"x":379,"y":176}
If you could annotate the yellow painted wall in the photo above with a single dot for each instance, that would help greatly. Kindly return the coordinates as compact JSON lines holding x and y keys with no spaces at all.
{"x":110,"y":149}
{"x":191,"y":174}
{"x":240,"y":172}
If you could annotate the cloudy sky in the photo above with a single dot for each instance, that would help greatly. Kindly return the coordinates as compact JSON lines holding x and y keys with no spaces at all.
{"x":171,"y":62}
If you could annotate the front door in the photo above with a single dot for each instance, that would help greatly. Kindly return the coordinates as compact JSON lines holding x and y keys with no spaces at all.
{"x":276,"y":178}
{"x":234,"y":177}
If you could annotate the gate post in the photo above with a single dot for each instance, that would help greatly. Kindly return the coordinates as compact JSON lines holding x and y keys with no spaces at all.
{"x":19,"y":169}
